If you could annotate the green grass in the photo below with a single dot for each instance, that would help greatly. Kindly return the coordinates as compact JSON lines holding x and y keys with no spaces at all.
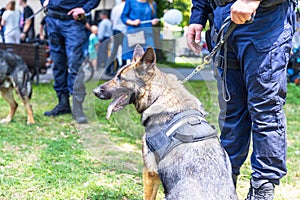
{"x":59,"y":159}
{"x":179,"y":65}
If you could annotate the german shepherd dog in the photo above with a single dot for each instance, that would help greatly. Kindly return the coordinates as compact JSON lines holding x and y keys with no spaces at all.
{"x":14,"y":75}
{"x":192,"y":169}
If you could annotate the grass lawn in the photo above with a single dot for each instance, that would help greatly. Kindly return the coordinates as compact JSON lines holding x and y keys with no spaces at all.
{"x":59,"y":159}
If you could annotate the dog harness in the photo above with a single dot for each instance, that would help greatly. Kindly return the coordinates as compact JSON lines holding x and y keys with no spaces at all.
{"x":186,"y":127}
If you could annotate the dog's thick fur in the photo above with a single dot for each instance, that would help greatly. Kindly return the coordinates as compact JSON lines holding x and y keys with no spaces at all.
{"x":191,"y":171}
{"x":14,"y":75}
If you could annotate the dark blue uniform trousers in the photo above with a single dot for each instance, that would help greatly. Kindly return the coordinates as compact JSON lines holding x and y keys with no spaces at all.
{"x":257,"y":90}
{"x":66,"y":40}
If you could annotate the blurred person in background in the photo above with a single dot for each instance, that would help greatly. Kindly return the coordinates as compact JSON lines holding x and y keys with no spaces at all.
{"x":26,"y":22}
{"x":1,"y":27}
{"x":10,"y":19}
{"x":43,"y":35}
{"x":66,"y":32}
{"x":104,"y":33}
{"x":138,"y":32}
{"x":93,"y":46}
{"x":119,"y":29}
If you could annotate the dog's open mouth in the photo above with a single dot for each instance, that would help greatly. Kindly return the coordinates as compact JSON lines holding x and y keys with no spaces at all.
{"x":117,"y":104}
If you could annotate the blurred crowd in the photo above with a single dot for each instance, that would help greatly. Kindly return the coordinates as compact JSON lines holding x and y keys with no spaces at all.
{"x":72,"y":36}
{"x":104,"y":34}
{"x":16,"y":26}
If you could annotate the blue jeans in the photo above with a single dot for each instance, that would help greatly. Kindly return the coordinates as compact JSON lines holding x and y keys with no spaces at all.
{"x":66,"y":38}
{"x":257,"y":90}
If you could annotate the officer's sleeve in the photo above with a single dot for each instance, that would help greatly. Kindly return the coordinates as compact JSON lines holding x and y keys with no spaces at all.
{"x":91,"y":4}
{"x":199,"y":12}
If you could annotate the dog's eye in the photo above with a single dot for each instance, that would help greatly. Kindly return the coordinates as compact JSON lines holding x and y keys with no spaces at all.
{"x":118,"y":77}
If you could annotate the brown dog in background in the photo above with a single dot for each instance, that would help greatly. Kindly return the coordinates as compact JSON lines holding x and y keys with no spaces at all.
{"x":180,"y":149}
{"x":14,"y":75}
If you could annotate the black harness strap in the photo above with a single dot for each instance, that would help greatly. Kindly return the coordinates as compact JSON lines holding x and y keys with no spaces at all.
{"x":186,"y":127}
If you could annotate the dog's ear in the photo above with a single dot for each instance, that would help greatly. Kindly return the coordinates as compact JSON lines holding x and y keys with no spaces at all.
{"x":149,"y":56}
{"x":138,"y":53}
{"x":146,"y":62}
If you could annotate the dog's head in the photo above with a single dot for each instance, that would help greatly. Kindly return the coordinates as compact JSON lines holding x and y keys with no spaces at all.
{"x":128,"y":85}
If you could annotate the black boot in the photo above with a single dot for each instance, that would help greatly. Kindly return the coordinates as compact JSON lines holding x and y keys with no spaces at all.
{"x":63,"y":106}
{"x":261,"y":190}
{"x":77,"y":111}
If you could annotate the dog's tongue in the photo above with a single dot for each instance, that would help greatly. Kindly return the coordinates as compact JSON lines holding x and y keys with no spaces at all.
{"x":114,"y":106}
{"x":109,"y":111}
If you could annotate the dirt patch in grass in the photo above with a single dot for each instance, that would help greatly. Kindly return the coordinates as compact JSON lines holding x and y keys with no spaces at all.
{"x":109,"y":150}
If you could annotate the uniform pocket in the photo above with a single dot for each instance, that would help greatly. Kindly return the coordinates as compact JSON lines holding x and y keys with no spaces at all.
{"x":273,"y":61}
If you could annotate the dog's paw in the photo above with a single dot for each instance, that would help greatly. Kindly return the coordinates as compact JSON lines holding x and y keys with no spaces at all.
{"x":30,"y":123}
{"x":5,"y":121}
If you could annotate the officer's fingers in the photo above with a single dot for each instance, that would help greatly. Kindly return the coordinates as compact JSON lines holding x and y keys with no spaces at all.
{"x":71,"y":12}
{"x":194,"y":32}
{"x":193,"y":37}
{"x":239,"y":18}
{"x":248,"y":17}
{"x":192,"y":44}
{"x":195,"y":47}
{"x":242,"y":11}
{"x":198,"y":35}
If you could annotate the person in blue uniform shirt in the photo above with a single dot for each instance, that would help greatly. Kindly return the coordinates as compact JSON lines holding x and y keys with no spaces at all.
{"x":251,"y":84}
{"x":134,"y":15}
{"x":66,"y":32}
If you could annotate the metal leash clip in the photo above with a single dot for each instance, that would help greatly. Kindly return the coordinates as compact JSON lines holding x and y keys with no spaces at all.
{"x":221,"y":37}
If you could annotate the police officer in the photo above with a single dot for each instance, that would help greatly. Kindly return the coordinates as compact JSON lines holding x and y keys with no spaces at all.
{"x":251,"y":83}
{"x":66,"y":32}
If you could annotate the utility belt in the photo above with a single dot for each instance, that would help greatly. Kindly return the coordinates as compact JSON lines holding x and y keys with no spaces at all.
{"x":264,"y":3}
{"x":63,"y":15}
{"x":212,"y":34}
{"x":59,"y":15}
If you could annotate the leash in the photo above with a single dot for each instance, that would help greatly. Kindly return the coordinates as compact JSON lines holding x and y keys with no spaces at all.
{"x":221,"y":38}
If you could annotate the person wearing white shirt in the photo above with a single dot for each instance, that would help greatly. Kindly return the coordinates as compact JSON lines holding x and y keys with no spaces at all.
{"x":10,"y":19}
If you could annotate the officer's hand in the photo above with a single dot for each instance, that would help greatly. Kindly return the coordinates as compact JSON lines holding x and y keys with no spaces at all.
{"x":243,"y":10}
{"x":76,"y":13}
{"x":193,"y":37}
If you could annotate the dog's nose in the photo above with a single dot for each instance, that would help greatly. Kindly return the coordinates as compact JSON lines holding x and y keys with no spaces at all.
{"x":102,"y":93}
{"x":97,"y":92}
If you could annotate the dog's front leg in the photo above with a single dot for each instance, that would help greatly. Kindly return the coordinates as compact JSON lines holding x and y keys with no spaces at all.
{"x":151,"y":180}
{"x":151,"y":183}
{"x":30,"y":119}
{"x":7,"y":94}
